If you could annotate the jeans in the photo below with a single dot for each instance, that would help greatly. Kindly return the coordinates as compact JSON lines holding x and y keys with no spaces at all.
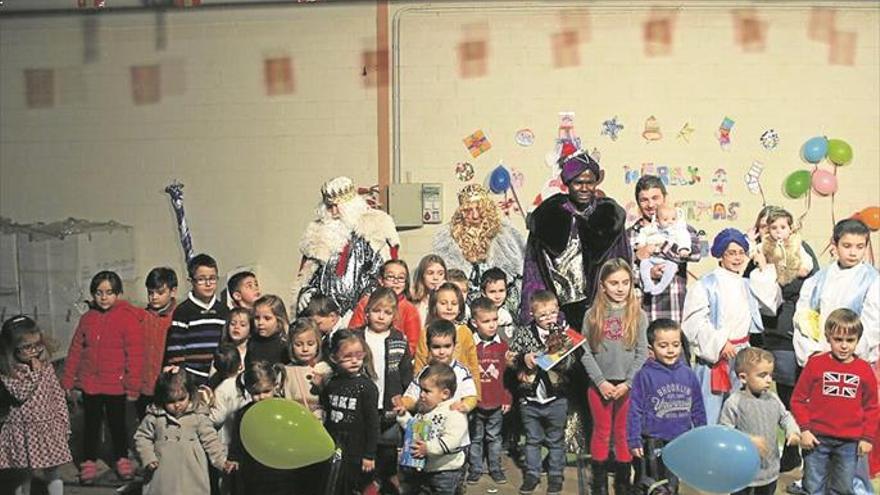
{"x":831,"y":466}
{"x":486,"y":428}
{"x":414,"y":482}
{"x":545,"y":424}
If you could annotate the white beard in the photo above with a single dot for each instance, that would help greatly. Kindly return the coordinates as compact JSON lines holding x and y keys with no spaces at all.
{"x":327,"y":236}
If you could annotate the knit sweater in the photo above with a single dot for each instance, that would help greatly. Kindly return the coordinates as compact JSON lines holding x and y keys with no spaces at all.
{"x":836,"y":399}
{"x":407,"y":320}
{"x":155,"y":325}
{"x":194,"y":335}
{"x":760,"y":416}
{"x":665,"y":402}
{"x":446,"y":439}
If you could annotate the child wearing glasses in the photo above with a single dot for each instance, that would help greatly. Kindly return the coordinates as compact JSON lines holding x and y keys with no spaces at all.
{"x":394,"y":275}
{"x":350,"y":414}
{"x":105,"y":361}
{"x":35,"y":425}
{"x":197,"y":323}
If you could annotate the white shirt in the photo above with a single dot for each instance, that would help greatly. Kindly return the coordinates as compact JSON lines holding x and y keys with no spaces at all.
{"x":505,"y":324}
{"x":376,"y":343}
{"x":837,"y":292}
{"x":734,"y":316}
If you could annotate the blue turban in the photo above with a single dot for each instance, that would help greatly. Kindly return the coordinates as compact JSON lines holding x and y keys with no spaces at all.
{"x":724,"y":238}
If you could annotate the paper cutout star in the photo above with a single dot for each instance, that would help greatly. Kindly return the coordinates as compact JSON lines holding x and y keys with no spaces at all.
{"x":611,"y":128}
{"x":685,"y":132}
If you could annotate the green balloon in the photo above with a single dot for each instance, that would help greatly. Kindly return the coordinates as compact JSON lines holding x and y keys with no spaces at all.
{"x":839,"y":151}
{"x":283,"y":434}
{"x":797,"y":184}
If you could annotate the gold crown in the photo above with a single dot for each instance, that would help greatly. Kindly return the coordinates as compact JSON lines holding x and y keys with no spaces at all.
{"x":338,"y":190}
{"x":471,"y":193}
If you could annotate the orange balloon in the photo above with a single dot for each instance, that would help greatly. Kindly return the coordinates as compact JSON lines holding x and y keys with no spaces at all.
{"x":870,"y":216}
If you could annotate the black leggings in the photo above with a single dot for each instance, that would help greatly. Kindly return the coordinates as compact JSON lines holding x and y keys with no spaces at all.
{"x":96,"y":407}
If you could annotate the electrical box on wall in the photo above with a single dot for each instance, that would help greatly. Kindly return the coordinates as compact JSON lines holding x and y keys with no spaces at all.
{"x":432,"y":203}
{"x":412,"y":205}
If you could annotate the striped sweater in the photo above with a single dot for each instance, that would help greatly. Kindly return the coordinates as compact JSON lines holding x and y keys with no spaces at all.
{"x":194,"y":335}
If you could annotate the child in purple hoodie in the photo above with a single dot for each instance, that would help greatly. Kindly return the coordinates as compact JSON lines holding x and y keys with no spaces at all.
{"x":664,"y":403}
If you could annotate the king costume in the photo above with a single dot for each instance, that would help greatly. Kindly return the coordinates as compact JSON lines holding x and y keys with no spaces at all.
{"x":344,"y":248}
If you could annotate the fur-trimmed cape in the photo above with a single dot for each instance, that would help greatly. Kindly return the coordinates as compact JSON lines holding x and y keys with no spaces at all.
{"x":324,"y":240}
{"x":602,"y":235}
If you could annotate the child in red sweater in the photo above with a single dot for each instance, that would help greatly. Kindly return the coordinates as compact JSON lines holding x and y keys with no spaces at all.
{"x":105,"y":361}
{"x":161,"y":284}
{"x":495,"y":399}
{"x":394,"y":275}
{"x":835,"y":404}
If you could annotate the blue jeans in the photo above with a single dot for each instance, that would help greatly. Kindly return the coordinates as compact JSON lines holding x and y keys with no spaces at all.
{"x":831,"y":466}
{"x":486,"y":428}
{"x":414,"y":482}
{"x":545,"y":424}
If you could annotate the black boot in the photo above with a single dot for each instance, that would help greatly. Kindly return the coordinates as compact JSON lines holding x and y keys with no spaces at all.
{"x":599,"y":482}
{"x":622,"y":478}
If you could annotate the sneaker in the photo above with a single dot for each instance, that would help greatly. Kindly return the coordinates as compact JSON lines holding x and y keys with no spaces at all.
{"x":88,"y":471}
{"x":554,"y":485}
{"x":529,"y":485}
{"x":499,"y":478}
{"x":124,"y":469}
{"x":473,"y":478}
{"x":492,"y":489}
{"x":795,"y":488}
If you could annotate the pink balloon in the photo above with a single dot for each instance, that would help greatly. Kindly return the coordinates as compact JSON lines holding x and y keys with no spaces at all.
{"x":824,"y":182}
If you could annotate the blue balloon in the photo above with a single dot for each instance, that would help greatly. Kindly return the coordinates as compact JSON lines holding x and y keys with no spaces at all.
{"x":715,"y":459}
{"x":815,"y":149}
{"x":499,"y":181}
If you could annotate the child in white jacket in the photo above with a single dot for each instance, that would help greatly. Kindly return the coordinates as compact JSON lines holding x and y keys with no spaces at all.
{"x":442,"y":446}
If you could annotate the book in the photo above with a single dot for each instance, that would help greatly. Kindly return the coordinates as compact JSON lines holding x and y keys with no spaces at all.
{"x":416,"y":429}
{"x":560,"y":344}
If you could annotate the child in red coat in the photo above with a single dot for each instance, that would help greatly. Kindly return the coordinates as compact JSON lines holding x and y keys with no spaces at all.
{"x":105,"y":361}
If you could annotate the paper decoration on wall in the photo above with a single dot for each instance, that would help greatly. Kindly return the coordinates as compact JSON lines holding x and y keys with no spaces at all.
{"x":749,"y":31}
{"x":611,"y":128}
{"x":753,"y":179}
{"x":719,"y":182}
{"x":90,"y":4}
{"x":372,"y":196}
{"x":566,"y":129}
{"x":697,"y":211}
{"x":652,"y":130}
{"x":464,"y":171}
{"x":278,"y":75}
{"x":685,"y":132}
{"x":477,"y":143}
{"x":145,"y":87}
{"x":596,"y":155}
{"x":566,"y":49}
{"x":821,"y":24}
{"x":39,"y":87}
{"x":91,"y":43}
{"x":187,"y":3}
{"x":769,"y":139}
{"x":657,"y":33}
{"x":374,"y":71}
{"x":473,"y":52}
{"x":517,"y":178}
{"x":724,"y":133}
{"x":671,"y":176}
{"x":524,"y":137}
{"x":842,"y":48}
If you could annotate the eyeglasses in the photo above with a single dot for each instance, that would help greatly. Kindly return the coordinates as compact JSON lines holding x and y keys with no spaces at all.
{"x":30,"y":348}
{"x":392,"y":278}
{"x":205,"y":280}
{"x":734,"y":252}
{"x":353,"y":356}
{"x":549,"y":314}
